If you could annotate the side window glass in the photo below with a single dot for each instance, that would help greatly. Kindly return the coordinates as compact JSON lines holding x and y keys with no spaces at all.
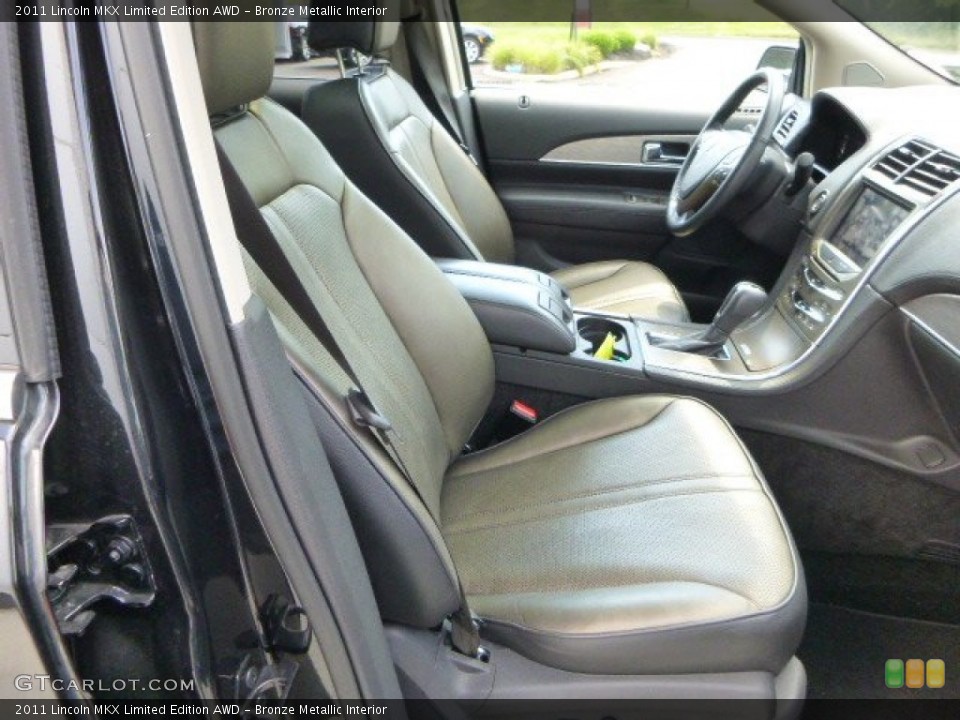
{"x":660,"y":58}
{"x":294,"y":58}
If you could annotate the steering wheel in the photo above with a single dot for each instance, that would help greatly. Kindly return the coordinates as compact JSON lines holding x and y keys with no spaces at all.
{"x":721,"y":161}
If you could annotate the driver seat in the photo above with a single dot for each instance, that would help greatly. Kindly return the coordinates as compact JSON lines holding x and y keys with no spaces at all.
{"x":389,"y":143}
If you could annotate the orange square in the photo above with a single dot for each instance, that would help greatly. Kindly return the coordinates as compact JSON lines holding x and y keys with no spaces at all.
{"x":936,"y":673}
{"x":915,"y":673}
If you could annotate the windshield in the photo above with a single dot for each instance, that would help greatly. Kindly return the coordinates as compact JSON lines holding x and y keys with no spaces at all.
{"x":935,"y":44}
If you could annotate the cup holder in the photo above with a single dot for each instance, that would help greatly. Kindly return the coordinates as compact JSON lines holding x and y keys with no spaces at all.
{"x":593,"y":333}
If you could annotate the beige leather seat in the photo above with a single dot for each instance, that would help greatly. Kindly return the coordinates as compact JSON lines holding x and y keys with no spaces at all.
{"x":381,"y":133}
{"x":628,"y":536}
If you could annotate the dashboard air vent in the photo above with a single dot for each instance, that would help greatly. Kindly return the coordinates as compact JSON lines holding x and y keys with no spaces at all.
{"x":786,"y":125}
{"x":920,"y":166}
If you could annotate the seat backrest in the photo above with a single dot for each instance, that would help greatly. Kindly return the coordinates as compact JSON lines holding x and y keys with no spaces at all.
{"x":400,"y":155}
{"x":412,"y":340}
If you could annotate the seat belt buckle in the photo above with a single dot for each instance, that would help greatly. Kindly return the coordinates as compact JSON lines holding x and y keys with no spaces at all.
{"x":363,"y":412}
{"x":525,"y":412}
{"x":518,"y":418}
{"x":464,"y":636}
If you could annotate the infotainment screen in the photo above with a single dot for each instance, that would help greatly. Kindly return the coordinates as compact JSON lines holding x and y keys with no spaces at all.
{"x":871,"y":220}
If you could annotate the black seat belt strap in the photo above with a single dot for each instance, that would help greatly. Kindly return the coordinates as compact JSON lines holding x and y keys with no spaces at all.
{"x":431,"y":84}
{"x":255,"y":235}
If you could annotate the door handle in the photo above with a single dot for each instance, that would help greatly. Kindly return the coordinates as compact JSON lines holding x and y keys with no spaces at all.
{"x":659,"y":153}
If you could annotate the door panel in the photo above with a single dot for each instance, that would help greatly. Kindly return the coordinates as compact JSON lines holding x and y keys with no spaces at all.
{"x":574,"y":221}
{"x":572,"y":177}
{"x":543,"y":119}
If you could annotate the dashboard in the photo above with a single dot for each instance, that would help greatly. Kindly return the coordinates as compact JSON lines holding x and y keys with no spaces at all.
{"x":860,"y":348}
{"x":832,"y":137}
{"x":885,"y":161}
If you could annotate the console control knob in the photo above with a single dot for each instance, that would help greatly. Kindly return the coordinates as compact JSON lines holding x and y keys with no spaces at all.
{"x":818,"y":203}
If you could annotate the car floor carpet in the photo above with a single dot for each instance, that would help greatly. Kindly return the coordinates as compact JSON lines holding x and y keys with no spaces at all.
{"x":845,"y":651}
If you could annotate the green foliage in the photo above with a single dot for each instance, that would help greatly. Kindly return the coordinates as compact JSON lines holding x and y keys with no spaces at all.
{"x":535,"y":58}
{"x":605,"y":42}
{"x":538,"y":58}
{"x":650,"y":40}
{"x":626,"y":40}
{"x":580,"y":56}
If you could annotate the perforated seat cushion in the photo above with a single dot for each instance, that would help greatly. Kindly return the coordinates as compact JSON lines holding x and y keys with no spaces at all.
{"x":620,"y":286}
{"x":627,"y":536}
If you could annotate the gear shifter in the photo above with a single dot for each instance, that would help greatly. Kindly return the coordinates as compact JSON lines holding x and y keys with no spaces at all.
{"x":743,"y":302}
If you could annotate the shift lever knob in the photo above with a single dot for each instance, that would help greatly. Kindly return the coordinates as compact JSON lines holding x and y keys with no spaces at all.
{"x":744,"y":301}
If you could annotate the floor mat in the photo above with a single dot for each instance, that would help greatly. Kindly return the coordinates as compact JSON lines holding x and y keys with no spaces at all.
{"x":845,"y":652}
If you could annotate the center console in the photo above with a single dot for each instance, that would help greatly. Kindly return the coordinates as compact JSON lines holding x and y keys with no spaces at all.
{"x":833,"y":355}
{"x":756,"y":343}
{"x":831,"y":271}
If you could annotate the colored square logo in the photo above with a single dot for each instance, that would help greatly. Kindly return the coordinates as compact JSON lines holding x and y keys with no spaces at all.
{"x":936,"y":674}
{"x":915,"y":673}
{"x":893,"y":674}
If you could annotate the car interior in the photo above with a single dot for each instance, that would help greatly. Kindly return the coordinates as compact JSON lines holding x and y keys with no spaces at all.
{"x":524,"y":419}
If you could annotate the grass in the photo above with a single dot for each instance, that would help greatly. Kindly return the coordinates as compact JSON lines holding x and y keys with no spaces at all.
{"x":548,"y":47}
{"x":545,"y":58}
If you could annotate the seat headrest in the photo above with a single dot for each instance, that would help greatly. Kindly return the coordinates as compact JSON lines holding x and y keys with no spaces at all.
{"x":369,"y":37}
{"x":235,"y":60}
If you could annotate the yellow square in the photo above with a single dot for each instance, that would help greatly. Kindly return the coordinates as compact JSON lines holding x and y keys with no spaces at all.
{"x":936,"y":674}
{"x":915,"y":673}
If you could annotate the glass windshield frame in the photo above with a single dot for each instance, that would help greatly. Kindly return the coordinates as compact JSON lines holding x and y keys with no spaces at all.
{"x":926,"y":36}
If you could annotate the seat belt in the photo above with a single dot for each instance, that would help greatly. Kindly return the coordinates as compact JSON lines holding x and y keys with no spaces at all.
{"x":254,"y":234}
{"x":430,"y":82}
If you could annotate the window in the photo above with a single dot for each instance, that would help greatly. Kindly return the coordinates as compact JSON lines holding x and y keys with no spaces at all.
{"x":935,"y":44}
{"x":294,"y":58}
{"x":700,"y":58}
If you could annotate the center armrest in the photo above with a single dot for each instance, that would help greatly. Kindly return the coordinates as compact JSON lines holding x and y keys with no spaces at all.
{"x":516,"y":306}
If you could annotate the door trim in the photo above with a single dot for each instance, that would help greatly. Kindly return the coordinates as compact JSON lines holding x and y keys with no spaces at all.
{"x":612,"y":150}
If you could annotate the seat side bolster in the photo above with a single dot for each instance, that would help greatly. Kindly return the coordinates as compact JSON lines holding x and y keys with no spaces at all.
{"x":484,"y":219}
{"x":759,"y":640}
{"x":483,"y":214}
{"x":437,"y":327}
{"x":617,"y":609}
{"x":338,"y":116}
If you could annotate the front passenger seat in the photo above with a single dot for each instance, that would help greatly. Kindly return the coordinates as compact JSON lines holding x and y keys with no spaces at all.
{"x":387,"y":141}
{"x":631,"y":536}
